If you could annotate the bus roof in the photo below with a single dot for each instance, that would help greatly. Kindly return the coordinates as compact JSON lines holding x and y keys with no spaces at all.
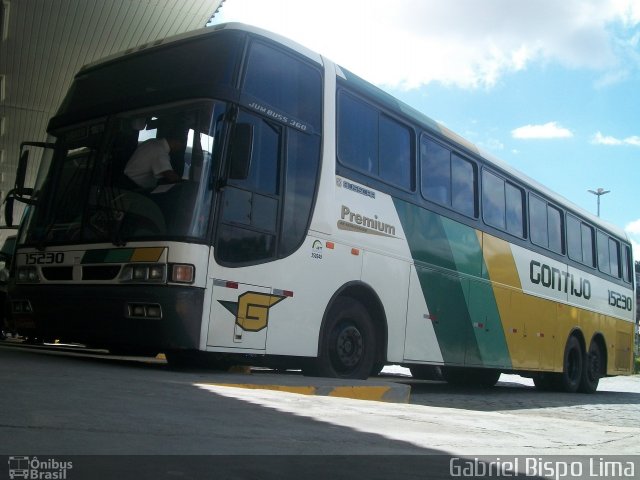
{"x":204,"y":32}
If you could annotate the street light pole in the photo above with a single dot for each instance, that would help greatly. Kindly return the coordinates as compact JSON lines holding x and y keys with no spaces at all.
{"x":598,"y":193}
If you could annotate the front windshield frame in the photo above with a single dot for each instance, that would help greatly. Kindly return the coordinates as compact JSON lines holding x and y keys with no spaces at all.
{"x":86,"y":198}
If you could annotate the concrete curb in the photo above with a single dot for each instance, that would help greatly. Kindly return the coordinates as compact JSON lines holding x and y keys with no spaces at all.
{"x":387,"y":392}
{"x":372,"y":389}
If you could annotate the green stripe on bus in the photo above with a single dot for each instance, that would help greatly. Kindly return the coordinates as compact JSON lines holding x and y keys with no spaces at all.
{"x":110,"y":255}
{"x":442,"y":286}
{"x":449,"y":264}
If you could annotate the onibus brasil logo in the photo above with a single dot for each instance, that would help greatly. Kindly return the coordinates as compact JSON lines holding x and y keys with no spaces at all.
{"x":37,"y":469}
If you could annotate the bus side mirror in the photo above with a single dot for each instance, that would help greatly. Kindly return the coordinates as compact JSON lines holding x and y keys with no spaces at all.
{"x":21,"y":172}
{"x":8,"y":210}
{"x":241,"y":151}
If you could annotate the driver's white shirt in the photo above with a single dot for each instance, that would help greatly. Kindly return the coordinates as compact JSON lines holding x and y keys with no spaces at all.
{"x":150,"y":159}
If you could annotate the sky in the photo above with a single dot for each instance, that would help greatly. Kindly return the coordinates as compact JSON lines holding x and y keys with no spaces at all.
{"x":550,"y":87}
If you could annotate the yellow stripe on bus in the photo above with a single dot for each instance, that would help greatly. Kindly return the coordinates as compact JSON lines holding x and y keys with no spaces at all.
{"x":147,"y":254}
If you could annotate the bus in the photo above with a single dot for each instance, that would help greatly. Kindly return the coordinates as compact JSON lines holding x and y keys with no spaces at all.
{"x":318,"y":223}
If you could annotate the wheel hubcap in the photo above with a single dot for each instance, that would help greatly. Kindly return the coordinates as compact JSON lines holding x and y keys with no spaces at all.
{"x":349,"y":346}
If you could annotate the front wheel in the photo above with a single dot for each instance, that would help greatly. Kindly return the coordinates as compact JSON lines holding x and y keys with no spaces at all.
{"x":348,"y":345}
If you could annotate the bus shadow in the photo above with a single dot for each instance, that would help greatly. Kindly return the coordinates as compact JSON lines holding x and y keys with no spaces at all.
{"x":509,"y":396}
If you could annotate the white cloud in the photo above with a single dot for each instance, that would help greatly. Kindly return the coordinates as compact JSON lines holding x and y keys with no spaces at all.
{"x":547,"y":131}
{"x":627,"y":10}
{"x":600,"y":139}
{"x":491,"y":145}
{"x":633,"y":227}
{"x":467,"y":43}
{"x":633,"y":230}
{"x":613,"y":77}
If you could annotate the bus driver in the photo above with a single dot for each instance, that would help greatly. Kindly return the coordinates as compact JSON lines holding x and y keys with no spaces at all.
{"x":151,"y":162}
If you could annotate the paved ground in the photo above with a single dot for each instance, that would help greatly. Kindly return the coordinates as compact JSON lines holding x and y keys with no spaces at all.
{"x":511,"y":419}
{"x":64,"y":404}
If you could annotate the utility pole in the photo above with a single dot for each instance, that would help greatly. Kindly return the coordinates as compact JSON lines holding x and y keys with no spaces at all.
{"x":598,"y":193}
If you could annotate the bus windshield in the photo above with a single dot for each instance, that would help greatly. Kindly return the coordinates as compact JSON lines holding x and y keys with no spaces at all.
{"x":95,"y":193}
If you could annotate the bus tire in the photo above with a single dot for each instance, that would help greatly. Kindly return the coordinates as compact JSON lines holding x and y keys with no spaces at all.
{"x":348,"y":345}
{"x":572,"y":370}
{"x":591,"y":369}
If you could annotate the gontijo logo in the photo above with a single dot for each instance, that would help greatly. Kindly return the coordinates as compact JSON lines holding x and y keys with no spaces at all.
{"x":252,"y":309}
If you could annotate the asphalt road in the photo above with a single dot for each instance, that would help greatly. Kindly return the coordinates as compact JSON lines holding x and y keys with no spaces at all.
{"x":65,"y":403}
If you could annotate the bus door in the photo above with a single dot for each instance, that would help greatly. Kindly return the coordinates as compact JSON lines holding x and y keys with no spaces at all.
{"x":248,"y":220}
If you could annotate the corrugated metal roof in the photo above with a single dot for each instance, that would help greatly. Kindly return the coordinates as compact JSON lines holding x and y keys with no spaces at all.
{"x":43,"y":43}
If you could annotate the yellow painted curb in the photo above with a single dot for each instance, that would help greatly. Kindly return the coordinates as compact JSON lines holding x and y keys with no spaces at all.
{"x":301,"y":390}
{"x":372,"y":393}
{"x":360,"y":393}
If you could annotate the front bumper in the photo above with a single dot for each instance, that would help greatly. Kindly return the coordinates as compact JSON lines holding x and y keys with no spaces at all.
{"x":102,"y":316}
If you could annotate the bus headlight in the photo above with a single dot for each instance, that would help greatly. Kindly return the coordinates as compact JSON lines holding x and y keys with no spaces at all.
{"x":27,"y":275}
{"x":143,"y":273}
{"x":156,"y":273}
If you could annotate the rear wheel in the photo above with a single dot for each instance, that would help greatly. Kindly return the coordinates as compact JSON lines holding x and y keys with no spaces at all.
{"x":348,"y":345}
{"x":571,"y":375}
{"x":592,"y":369}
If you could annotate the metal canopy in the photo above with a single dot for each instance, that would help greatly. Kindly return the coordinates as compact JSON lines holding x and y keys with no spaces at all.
{"x":43,"y":43}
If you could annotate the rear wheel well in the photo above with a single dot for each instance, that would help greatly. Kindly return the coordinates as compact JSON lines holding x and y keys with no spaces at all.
{"x":580,"y":336}
{"x":364,"y":294}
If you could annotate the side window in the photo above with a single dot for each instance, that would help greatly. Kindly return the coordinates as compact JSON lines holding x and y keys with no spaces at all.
{"x":285,"y":83}
{"x":603,"y":253}
{"x":463,"y":186}
{"x":554,"y":218}
{"x":579,"y":241}
{"x":609,"y":259}
{"x":574,"y":238}
{"x":395,"y":153}
{"x":493,"y":203}
{"x":538,"y":221}
{"x":303,"y":153}
{"x":614,"y":257}
{"x":373,"y":143}
{"x":515,"y":210}
{"x":436,"y":172}
{"x":502,"y":204}
{"x":358,"y":134}
{"x":587,"y":245}
{"x":626,"y":263}
{"x":448,"y":178}
{"x":249,"y":210}
{"x":265,"y":215}
{"x":546,"y":224}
